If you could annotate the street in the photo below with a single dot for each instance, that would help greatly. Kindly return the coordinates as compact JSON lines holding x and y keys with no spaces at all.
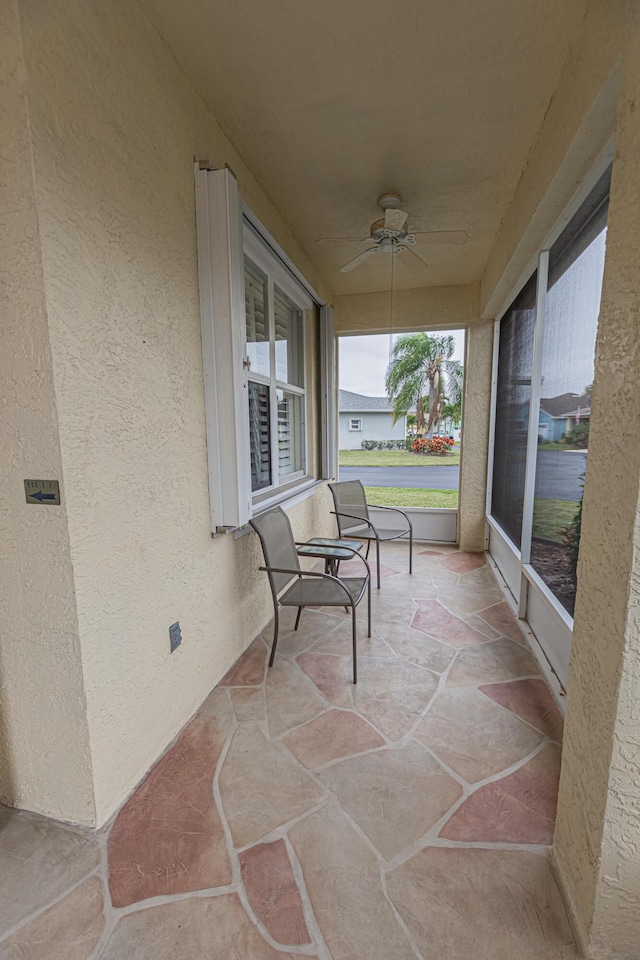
{"x":558,"y":475}
{"x":427,"y":478}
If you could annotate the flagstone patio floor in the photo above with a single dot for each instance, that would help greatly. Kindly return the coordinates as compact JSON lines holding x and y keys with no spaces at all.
{"x":298,"y":815}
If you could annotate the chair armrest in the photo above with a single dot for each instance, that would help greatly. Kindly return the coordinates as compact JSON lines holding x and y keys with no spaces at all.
{"x":395,"y":510}
{"x":353,"y":552}
{"x":351,"y":516}
{"x":309,"y":573}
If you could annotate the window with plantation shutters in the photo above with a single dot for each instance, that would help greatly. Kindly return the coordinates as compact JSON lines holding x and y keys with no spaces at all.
{"x":259,"y":430}
{"x":257,"y":323}
{"x":254,"y":305}
{"x":275,"y":353}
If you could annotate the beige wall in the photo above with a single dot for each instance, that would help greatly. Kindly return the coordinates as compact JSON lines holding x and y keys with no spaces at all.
{"x":445,"y":307}
{"x":475,"y":425}
{"x":576,"y":129}
{"x":115,"y":128}
{"x":44,"y":741}
{"x":597,"y":840}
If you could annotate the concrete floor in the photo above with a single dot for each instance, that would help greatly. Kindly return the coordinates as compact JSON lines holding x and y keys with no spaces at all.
{"x":297,"y":815}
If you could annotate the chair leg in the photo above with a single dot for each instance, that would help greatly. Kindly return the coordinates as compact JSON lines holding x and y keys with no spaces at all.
{"x":369,"y":607}
{"x":410,"y":550}
{"x":298,"y":618}
{"x":355,"y":662}
{"x":276,"y":627}
{"x":366,"y":556}
{"x":378,"y":561}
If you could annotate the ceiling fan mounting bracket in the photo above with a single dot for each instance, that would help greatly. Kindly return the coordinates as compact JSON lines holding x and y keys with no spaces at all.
{"x":390,"y":201}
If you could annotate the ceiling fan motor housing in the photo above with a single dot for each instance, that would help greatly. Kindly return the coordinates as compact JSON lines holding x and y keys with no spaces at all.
{"x":379,"y":232}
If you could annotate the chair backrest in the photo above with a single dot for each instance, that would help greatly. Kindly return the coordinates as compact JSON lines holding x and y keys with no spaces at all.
{"x":278,"y":545}
{"x":349,"y":497}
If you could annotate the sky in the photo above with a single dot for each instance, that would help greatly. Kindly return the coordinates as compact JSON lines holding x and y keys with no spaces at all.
{"x":364,"y":360}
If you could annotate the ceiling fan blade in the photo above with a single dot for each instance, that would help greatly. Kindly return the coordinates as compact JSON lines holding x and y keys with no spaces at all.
{"x":395,"y":219}
{"x":338,"y":239}
{"x":410,"y":259}
{"x":442,"y":236}
{"x":358,"y":260}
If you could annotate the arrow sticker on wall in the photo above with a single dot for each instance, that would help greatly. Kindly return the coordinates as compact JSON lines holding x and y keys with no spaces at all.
{"x":42,"y":491}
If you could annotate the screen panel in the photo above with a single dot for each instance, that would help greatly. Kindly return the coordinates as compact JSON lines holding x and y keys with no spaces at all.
{"x":576,"y":267}
{"x":513,"y":398}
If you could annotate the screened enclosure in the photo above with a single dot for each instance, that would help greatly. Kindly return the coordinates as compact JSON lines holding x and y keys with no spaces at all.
{"x":545,"y":357}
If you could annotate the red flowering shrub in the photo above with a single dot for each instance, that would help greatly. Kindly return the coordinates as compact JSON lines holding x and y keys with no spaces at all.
{"x":440,"y":446}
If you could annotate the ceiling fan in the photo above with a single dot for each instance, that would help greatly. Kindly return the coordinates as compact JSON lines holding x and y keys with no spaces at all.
{"x":389,"y":235}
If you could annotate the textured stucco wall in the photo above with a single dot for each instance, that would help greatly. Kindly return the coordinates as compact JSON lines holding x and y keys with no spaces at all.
{"x":443,"y":307}
{"x":597,"y":839}
{"x":44,"y":741}
{"x":575,"y":130}
{"x":475,"y":435}
{"x":115,"y":128}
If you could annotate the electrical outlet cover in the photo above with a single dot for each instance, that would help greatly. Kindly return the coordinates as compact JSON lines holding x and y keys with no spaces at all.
{"x":175,"y":636}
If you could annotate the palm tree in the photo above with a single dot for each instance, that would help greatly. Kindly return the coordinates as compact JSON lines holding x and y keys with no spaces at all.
{"x":451,"y":416}
{"x":422,"y":364}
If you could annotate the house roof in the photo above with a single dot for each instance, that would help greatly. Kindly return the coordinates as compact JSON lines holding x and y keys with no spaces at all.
{"x":566,"y":405}
{"x":349,"y":402}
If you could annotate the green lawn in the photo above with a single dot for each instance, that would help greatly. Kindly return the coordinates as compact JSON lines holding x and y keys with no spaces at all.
{"x":558,"y":445}
{"x":396,"y":458}
{"x":411,"y":497}
{"x":550,"y":516}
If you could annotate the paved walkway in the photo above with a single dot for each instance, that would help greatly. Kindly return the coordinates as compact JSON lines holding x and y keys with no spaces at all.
{"x":297,"y":815}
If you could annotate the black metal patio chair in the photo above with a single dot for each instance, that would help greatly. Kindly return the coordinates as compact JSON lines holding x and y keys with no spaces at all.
{"x":308,"y":589}
{"x":352,"y":514}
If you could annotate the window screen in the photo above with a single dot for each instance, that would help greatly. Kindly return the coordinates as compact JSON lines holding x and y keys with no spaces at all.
{"x":576,"y":267}
{"x":288,"y":340}
{"x":512,"y":411}
{"x":255,"y":302}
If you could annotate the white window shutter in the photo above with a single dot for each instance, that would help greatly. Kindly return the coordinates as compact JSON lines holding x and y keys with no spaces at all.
{"x":222,"y":311}
{"x":328,"y":388}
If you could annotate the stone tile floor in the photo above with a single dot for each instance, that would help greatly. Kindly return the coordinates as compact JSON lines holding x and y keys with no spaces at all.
{"x":409,"y":816}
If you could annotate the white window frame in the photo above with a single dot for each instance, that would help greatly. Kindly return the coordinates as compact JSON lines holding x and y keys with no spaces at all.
{"x":357,"y":420}
{"x":259,"y":254}
{"x":328,"y":378}
{"x":226,"y":230}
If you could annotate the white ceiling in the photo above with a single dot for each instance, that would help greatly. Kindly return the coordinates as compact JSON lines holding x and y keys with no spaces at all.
{"x":332,"y":102}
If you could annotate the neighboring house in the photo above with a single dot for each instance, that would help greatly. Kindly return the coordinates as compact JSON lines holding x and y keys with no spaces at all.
{"x":559,"y":414}
{"x":442,"y":428}
{"x":366,"y":418}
